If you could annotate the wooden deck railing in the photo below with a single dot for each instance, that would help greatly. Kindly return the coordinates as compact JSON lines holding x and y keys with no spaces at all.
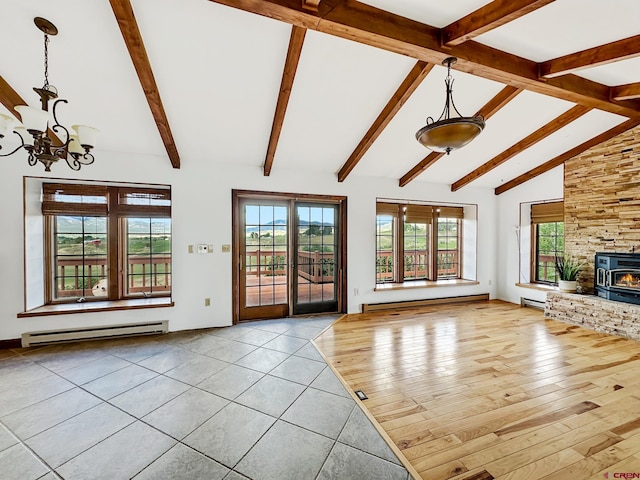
{"x":546,"y":268}
{"x":415,"y":264}
{"x":317,"y":267}
{"x":96,"y":269}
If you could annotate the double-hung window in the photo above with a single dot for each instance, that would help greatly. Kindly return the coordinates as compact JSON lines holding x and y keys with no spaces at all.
{"x":106,"y":242}
{"x":547,"y":242}
{"x":417,"y":242}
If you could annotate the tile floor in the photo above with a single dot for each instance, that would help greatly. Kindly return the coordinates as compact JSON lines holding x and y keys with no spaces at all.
{"x":253,"y":401}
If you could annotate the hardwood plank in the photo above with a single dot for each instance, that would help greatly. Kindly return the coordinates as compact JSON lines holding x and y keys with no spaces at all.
{"x":597,"y":443}
{"x":294,"y":51}
{"x":544,"y":466}
{"x":445,"y":471}
{"x":490,"y":389}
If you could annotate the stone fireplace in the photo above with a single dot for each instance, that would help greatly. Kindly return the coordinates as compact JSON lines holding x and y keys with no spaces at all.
{"x":602,"y":217}
{"x":602,"y":202}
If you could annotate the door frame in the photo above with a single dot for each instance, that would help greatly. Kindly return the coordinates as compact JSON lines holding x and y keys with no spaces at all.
{"x":341,"y":257}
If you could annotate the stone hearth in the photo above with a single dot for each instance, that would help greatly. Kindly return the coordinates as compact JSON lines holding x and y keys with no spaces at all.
{"x":599,"y":314}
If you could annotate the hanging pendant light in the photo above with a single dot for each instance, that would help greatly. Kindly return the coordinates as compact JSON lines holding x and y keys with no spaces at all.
{"x":74,"y":146}
{"x":449,"y":133}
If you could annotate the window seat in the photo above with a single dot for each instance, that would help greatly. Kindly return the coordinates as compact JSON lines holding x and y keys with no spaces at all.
{"x":88,"y":307}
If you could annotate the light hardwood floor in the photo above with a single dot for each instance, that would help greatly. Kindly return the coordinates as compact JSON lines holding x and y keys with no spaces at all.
{"x":491,"y":390}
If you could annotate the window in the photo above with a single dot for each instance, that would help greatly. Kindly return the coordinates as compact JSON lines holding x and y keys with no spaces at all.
{"x":106,"y":242}
{"x":547,"y":222}
{"x":417,"y":242}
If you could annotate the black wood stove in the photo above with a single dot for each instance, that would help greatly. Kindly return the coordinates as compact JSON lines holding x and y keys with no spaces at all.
{"x":617,"y":276}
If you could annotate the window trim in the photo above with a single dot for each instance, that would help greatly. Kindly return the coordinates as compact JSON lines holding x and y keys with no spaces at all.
{"x":431,"y":212}
{"x":117,"y":210}
{"x":540,"y":213}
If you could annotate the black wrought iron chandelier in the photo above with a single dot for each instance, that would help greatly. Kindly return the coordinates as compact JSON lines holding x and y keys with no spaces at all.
{"x":42,"y":145}
{"x":449,"y":133}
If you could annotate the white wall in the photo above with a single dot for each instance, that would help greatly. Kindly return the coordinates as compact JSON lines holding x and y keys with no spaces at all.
{"x":201,"y":212}
{"x":547,"y":186}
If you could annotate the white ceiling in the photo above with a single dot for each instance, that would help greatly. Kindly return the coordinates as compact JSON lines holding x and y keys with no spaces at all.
{"x":218,"y":71}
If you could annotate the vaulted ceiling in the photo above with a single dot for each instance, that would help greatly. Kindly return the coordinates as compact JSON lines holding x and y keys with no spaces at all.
{"x":335,"y":86}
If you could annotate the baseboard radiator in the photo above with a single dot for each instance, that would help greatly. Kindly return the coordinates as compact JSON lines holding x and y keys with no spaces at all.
{"x":374,"y":307}
{"x":30,"y":339}
{"x":529,"y":302}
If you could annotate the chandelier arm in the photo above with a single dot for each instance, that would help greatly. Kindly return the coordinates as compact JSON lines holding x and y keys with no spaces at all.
{"x":58,"y":125}
{"x":17,"y":148}
{"x":73,"y":163}
{"x":33,"y":160}
{"x":76,"y":161}
{"x":87,"y":159}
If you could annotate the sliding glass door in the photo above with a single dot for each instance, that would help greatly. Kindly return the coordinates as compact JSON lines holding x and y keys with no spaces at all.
{"x":289,"y":256}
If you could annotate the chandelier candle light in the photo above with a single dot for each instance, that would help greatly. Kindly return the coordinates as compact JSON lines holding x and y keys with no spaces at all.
{"x":449,"y":133}
{"x":33,"y":133}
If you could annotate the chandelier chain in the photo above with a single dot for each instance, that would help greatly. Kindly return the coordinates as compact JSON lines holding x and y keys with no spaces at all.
{"x":46,"y":61}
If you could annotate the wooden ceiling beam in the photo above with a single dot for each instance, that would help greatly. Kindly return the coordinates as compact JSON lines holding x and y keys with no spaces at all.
{"x":503,"y":97}
{"x":11,"y":99}
{"x":630,"y":91}
{"x":409,"y":85}
{"x":311,"y":5}
{"x":488,"y":17}
{"x":420,"y":167}
{"x":123,"y":12}
{"x":530,"y":140}
{"x":296,"y":41}
{"x":592,"y":57}
{"x":372,"y":26}
{"x":560,"y":159}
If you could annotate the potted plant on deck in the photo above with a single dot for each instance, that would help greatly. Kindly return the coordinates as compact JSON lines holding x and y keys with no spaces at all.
{"x":568,"y":268}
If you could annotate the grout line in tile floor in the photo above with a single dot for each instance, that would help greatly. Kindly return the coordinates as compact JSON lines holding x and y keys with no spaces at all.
{"x":232,"y":467}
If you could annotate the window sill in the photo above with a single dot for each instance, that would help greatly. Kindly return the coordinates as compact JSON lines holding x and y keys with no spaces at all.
{"x":88,"y":307}
{"x":538,"y":286}
{"x":424,"y":284}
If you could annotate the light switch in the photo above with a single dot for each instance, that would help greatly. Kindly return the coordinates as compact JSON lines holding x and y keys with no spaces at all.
{"x":203,"y":248}
{"x":226,"y":248}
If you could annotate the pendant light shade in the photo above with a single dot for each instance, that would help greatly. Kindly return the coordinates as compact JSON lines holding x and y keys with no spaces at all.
{"x":449,"y":133}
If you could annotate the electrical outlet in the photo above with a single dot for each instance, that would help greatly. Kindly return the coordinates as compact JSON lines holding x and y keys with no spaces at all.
{"x":207,"y":302}
{"x":226,"y":248}
{"x":210,"y":248}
